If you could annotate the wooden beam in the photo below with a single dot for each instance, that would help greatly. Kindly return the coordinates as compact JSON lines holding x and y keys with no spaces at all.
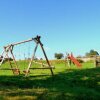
{"x":8,"y":69}
{"x":49,"y":65}
{"x":17,"y":43}
{"x":44,"y":68}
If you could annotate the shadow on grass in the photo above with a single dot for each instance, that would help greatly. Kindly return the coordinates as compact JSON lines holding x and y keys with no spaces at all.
{"x":70,"y":84}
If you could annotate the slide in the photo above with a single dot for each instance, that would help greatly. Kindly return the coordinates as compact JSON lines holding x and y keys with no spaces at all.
{"x":73,"y":59}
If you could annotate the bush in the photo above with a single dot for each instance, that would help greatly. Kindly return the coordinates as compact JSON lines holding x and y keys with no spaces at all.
{"x":80,"y":61}
{"x":59,"y":55}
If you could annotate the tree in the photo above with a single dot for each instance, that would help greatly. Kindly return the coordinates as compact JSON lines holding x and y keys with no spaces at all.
{"x":59,"y":55}
{"x":92,"y":53}
{"x":79,"y":56}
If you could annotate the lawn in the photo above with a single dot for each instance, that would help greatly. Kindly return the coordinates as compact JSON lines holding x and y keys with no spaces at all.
{"x":66,"y":84}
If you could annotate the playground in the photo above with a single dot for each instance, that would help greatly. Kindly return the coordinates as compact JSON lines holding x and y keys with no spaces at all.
{"x":44,"y":79}
{"x":31,"y":63}
{"x":49,"y":50}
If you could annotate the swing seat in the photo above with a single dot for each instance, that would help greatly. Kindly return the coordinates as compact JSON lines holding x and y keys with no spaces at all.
{"x":16,"y":71}
{"x":26,"y":71}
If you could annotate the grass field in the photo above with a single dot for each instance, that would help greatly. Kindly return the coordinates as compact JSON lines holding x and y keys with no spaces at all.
{"x":66,"y":84}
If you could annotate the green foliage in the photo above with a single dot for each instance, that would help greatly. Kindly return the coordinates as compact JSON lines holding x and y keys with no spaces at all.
{"x":59,"y":55}
{"x":92,"y":53}
{"x":80,"y":61}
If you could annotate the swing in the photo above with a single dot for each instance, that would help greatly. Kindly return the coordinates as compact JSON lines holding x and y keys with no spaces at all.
{"x":9,"y":48}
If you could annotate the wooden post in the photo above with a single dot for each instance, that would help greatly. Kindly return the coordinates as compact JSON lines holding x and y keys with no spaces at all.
{"x":46,"y":59}
{"x":38,"y":38}
{"x":10,"y":63}
{"x":31,"y":60}
{"x":17,"y":69}
{"x":14,"y":58}
{"x":3,"y":59}
{"x":6,"y":50}
{"x":95,"y":62}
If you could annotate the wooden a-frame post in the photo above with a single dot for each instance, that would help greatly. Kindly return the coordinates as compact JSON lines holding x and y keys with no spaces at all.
{"x":9,"y":49}
{"x":38,"y":42}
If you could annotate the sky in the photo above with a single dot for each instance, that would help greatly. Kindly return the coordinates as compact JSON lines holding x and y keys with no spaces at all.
{"x":64,"y":25}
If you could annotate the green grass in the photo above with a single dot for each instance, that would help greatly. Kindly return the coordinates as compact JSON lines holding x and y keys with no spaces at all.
{"x":67,"y":83}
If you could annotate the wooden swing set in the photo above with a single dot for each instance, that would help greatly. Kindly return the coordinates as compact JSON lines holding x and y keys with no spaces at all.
{"x":15,"y":68}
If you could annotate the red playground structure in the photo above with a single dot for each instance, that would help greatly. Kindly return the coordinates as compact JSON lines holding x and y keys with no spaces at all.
{"x":74,"y":60}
